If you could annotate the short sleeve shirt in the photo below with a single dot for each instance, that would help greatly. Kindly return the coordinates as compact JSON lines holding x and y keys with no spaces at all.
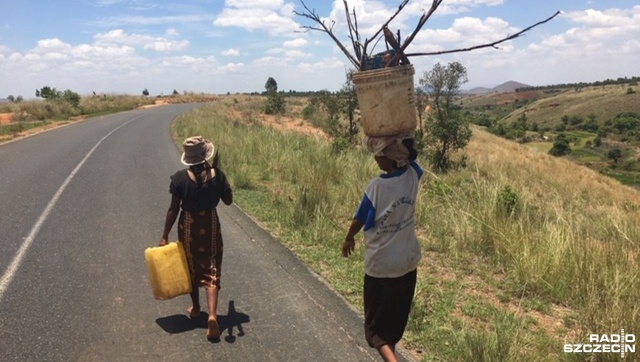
{"x":196,"y":197}
{"x":387,"y":211}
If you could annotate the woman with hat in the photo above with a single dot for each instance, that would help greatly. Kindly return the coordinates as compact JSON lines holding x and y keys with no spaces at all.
{"x":195,"y":193}
{"x":392,"y":251}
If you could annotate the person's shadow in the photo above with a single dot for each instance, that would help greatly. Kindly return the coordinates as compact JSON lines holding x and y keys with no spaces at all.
{"x":180,"y":323}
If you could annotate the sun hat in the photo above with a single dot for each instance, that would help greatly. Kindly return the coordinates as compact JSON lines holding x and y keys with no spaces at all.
{"x":196,"y":150}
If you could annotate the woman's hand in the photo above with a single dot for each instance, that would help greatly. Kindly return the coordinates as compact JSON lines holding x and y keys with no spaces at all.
{"x":163,"y":241}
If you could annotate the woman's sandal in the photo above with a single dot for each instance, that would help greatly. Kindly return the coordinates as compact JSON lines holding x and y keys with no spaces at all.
{"x":213,"y":332}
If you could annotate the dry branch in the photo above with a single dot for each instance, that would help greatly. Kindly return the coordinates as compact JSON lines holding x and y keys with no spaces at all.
{"x":487,"y":45}
{"x":311,"y":14}
{"x":360,"y":50}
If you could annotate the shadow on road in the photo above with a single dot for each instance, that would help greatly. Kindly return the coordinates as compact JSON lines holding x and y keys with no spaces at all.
{"x":180,"y":323}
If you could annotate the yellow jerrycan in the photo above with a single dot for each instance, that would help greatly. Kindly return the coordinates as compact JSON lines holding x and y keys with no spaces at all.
{"x":168,"y":270}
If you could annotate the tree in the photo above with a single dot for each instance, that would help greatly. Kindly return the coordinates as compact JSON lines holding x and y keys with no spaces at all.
{"x":421,"y":105}
{"x":349,"y":103}
{"x":615,"y":155}
{"x":175,"y":92}
{"x":271,"y":86}
{"x":48,"y":93}
{"x":11,"y":98}
{"x":71,"y":97}
{"x":275,"y":102}
{"x":448,"y":131}
{"x":145,"y":92}
{"x":560,"y":146}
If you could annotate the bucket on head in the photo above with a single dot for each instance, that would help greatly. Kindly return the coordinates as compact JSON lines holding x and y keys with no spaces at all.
{"x":387,"y":101}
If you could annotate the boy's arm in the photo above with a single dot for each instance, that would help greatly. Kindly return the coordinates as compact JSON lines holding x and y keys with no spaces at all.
{"x":349,"y":241}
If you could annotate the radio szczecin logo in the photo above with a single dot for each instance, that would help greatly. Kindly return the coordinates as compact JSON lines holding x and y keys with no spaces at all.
{"x":622,"y":343}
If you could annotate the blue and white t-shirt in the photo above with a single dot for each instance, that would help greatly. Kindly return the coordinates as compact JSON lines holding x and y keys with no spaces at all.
{"x":387,"y":211}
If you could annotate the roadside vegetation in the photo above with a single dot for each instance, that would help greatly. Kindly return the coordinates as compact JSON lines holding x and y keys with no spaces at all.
{"x":595,"y":125}
{"x":523,"y":251}
{"x":61,"y":107}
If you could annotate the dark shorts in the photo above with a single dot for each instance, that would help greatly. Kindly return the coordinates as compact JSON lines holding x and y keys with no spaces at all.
{"x":387,"y":302}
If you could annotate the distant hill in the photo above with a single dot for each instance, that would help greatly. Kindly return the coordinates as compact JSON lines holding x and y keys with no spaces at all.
{"x":509,"y":87}
{"x":506,"y":87}
{"x":479,"y":90}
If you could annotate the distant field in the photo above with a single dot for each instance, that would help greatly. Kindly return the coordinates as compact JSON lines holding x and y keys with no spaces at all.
{"x":570,"y":111}
{"x":603,"y":102}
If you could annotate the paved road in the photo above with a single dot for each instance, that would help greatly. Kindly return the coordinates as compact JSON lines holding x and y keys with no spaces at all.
{"x":81,"y":203}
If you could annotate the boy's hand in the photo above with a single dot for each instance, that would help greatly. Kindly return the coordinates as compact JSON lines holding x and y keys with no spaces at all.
{"x":348,"y":246}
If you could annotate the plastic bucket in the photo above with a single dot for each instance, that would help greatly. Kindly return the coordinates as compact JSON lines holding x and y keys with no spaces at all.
{"x":387,"y":101}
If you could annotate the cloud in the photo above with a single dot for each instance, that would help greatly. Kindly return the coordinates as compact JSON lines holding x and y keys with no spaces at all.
{"x":105,"y":3}
{"x":272,"y":16}
{"x":295,"y":43}
{"x":595,"y":31}
{"x":119,"y":21}
{"x":171,"y":32}
{"x":296,"y":54}
{"x":118,"y":36}
{"x":464,"y":32}
{"x":231,"y":52}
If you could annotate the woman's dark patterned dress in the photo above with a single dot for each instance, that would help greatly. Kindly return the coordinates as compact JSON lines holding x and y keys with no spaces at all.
{"x":199,"y":226}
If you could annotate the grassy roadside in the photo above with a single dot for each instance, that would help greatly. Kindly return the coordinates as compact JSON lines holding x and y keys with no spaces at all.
{"x":522,"y":251}
{"x":25,"y":117}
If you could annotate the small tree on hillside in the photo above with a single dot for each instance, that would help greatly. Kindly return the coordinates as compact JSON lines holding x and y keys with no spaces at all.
{"x":614,"y":155}
{"x":448,"y":130}
{"x":275,"y":102}
{"x":561,"y":146}
{"x":145,"y":92}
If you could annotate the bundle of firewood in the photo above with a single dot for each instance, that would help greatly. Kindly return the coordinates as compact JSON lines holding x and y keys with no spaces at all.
{"x":361,"y":56}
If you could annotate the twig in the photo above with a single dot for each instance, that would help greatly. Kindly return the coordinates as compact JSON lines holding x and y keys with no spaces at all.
{"x":385,"y":25}
{"x":492,"y":44}
{"x":388,"y":36}
{"x":423,"y":20}
{"x":311,"y":14}
{"x":352,"y":29}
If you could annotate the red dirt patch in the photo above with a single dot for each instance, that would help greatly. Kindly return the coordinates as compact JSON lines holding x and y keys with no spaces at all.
{"x":5,"y":118}
{"x":158,"y":102}
{"x":293,"y":124}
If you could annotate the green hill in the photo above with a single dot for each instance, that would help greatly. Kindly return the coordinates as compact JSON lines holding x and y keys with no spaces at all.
{"x":601,"y":123}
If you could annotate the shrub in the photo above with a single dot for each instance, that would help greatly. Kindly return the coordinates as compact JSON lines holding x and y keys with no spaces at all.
{"x":339,"y":145}
{"x":560,"y":146}
{"x":507,"y":201}
{"x":275,"y":104}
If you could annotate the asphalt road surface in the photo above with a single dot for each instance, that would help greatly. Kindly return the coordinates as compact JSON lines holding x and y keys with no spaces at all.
{"x":81,"y":203}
